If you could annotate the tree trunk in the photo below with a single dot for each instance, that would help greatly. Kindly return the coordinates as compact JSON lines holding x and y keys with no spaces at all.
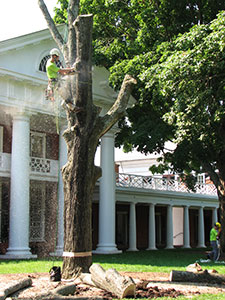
{"x":82,"y":136}
{"x":184,"y":276}
{"x":79,"y":173}
{"x":112,"y":281}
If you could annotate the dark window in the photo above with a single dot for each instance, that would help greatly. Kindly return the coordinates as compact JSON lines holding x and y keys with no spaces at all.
{"x":42,"y":65}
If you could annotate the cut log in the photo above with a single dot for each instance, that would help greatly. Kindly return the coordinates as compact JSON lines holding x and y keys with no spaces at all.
{"x":111,"y":281}
{"x":205,"y":276}
{"x":14,"y":287}
{"x":86,"y":279}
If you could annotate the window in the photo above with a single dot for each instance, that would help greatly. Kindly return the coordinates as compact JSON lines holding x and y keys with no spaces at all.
{"x":42,"y":65}
{"x":38,"y":144}
{"x":37,"y":211}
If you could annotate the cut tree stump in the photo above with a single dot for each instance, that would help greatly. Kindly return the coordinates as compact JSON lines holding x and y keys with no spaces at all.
{"x":111,"y":281}
{"x":205,"y":276}
{"x":14,"y":287}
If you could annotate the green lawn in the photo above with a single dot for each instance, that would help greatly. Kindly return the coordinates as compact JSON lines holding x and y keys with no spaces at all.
{"x":140,"y":261}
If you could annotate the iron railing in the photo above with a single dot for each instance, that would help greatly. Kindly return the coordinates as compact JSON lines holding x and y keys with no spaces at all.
{"x":162,"y":183}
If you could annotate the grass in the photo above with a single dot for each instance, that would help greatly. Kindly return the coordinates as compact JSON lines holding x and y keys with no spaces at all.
{"x":155,"y":261}
{"x":141,"y":261}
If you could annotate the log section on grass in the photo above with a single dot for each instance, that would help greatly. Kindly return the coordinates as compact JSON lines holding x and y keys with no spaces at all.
{"x":205,"y":276}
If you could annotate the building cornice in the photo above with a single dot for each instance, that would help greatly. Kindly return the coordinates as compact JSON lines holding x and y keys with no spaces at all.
{"x":22,"y":77}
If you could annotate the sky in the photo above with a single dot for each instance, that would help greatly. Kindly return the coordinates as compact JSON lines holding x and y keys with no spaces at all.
{"x":19,"y":17}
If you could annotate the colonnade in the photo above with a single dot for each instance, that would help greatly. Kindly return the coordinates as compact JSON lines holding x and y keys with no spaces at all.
{"x":169,"y":227}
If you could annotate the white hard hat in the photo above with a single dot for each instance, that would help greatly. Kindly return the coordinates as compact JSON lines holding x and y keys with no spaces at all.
{"x":55,"y":51}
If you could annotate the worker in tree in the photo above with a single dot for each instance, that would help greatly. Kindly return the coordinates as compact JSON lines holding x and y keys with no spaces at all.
{"x":52,"y":73}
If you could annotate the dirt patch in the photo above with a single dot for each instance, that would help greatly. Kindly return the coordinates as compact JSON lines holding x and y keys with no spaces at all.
{"x":148,"y":285}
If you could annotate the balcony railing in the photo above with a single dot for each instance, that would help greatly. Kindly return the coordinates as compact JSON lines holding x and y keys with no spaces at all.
{"x":44,"y":167}
{"x":39,"y":167}
{"x":163,"y":184}
{"x":48,"y":168}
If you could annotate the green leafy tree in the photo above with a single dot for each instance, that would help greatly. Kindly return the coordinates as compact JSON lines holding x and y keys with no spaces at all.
{"x":125,"y":28}
{"x":184,"y":80}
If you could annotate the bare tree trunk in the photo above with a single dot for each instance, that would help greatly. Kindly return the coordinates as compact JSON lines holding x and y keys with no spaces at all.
{"x":79,"y":173}
{"x":82,"y":135}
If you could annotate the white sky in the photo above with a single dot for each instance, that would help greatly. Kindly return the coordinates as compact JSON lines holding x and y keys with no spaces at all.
{"x":19,"y":17}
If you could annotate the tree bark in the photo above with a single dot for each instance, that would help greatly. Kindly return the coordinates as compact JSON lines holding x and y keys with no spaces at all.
{"x":112,"y":281}
{"x":79,"y":172}
{"x":184,"y":276}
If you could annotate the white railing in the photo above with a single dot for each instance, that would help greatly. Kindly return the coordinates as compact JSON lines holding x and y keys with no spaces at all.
{"x":43,"y":167}
{"x":163,"y":184}
{"x":40,"y":165}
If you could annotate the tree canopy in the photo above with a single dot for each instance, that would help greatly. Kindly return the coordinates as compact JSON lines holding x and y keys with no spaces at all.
{"x":125,"y":28}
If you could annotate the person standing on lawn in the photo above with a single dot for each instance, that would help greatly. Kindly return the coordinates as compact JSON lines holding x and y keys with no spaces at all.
{"x":213,"y":241}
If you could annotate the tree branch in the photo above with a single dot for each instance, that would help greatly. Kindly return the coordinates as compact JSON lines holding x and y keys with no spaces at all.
{"x":73,"y":11}
{"x":207,"y":168}
{"x":51,"y":25}
{"x":119,"y":107}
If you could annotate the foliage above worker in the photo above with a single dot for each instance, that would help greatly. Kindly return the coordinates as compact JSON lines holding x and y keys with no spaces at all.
{"x":125,"y":28}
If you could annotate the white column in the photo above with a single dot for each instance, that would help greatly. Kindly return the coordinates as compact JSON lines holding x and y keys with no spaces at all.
{"x":20,"y":187}
{"x":201,"y":228}
{"x":107,"y":204}
{"x":214,"y":216}
{"x":132,"y":228}
{"x":186,"y":228}
{"x":151,"y":228}
{"x":62,"y":162}
{"x":169,"y":233}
